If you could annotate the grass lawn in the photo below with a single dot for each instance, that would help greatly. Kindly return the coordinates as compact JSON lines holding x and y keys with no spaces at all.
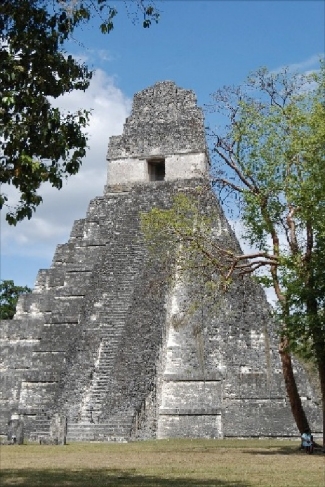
{"x":172,"y":463}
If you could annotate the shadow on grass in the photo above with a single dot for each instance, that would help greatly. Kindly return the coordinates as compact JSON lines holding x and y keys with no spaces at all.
{"x":102,"y":478}
{"x":284,"y":450}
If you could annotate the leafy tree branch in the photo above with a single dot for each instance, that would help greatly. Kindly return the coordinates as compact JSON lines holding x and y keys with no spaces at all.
{"x":38,"y":142}
{"x":9,"y":295}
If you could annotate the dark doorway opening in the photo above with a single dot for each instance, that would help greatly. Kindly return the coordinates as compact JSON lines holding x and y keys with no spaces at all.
{"x":156,"y":169}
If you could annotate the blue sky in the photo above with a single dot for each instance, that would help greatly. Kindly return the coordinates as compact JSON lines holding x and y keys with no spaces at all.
{"x":206,"y":44}
{"x":201,"y":45}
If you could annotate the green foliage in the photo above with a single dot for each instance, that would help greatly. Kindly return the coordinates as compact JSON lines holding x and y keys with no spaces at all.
{"x":182,"y":238}
{"x":9,"y":294}
{"x":40,"y":143}
{"x":185,"y":240}
{"x":171,"y":227}
{"x":273,"y":156}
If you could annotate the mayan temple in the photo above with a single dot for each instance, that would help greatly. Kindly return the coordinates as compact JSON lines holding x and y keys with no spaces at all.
{"x":95,"y":344}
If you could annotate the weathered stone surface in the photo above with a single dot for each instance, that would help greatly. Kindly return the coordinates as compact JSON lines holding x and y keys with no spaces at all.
{"x":165,"y":126}
{"x":95,"y":342}
{"x":58,"y":429}
{"x":165,"y":119}
{"x":15,"y":430}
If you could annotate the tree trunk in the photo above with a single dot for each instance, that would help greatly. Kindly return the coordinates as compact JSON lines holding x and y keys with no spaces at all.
{"x":289,"y":378}
{"x":318,"y":341}
{"x":291,"y":387}
{"x":321,"y":372}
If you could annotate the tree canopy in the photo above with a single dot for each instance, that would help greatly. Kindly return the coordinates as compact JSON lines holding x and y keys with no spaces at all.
{"x":38,"y":142}
{"x":271,"y":157}
{"x":9,"y":295}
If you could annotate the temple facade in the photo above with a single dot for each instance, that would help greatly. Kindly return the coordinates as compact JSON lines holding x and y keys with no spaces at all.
{"x":96,"y":342}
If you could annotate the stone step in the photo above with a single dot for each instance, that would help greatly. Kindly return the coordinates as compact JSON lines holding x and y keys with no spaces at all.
{"x":114,"y":431}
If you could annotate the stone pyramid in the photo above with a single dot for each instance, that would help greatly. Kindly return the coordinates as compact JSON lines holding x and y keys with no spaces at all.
{"x":94,"y":342}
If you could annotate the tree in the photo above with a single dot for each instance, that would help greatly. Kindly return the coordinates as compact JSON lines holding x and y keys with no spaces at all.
{"x":40,"y":143}
{"x":9,"y":294}
{"x":272,"y":158}
{"x":270,"y":161}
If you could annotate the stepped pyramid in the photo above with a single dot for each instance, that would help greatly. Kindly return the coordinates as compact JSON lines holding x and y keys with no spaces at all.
{"x":95,"y":342}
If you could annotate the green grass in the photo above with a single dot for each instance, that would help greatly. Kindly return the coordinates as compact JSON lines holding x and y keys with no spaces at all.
{"x":173,"y":463}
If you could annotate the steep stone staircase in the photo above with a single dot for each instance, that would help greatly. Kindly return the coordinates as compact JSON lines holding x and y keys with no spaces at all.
{"x":113,"y":310}
{"x":72,"y":328}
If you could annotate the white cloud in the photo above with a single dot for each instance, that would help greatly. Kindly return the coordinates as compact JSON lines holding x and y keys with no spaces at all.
{"x":306,"y":66}
{"x":309,"y":63}
{"x":53,"y":220}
